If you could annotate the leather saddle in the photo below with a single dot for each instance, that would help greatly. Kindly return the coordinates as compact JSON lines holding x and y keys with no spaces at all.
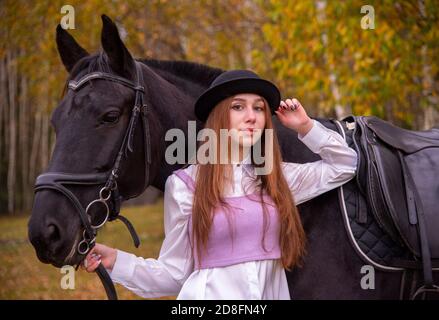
{"x":398,"y":179}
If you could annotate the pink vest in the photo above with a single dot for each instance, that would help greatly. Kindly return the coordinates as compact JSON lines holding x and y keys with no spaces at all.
{"x":246,"y":218}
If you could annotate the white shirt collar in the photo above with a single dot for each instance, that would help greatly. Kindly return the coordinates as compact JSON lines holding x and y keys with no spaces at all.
{"x":244,"y":167}
{"x":246,"y":160}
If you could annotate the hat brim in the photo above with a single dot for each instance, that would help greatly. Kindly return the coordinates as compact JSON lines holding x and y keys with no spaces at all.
{"x":211,"y":97}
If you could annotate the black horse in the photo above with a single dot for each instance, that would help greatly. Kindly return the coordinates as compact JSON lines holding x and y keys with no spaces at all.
{"x":90,"y":127}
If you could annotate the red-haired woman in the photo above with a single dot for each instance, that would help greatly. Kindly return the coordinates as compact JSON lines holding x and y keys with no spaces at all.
{"x":231,"y":229}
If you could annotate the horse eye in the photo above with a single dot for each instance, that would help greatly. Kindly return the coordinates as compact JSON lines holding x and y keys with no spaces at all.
{"x":111,"y":117}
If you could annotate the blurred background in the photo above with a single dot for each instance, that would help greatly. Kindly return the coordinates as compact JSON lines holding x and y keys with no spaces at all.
{"x":335,"y":58}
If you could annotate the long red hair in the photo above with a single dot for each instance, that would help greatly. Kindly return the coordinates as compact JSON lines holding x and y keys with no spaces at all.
{"x":211,"y":180}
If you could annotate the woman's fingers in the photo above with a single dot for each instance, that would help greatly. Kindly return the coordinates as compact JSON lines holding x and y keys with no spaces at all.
{"x":280,"y":114}
{"x":297,"y":103}
{"x":93,"y":266}
{"x":293,"y":104}
{"x":100,"y":253}
{"x":283,"y":106}
{"x":290,"y":105}
{"x":91,"y":261}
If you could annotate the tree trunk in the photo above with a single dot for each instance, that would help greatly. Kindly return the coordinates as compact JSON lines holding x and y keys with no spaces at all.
{"x":3,"y":121}
{"x":44,"y":155}
{"x":7,"y":108}
{"x":2,"y":104}
{"x":430,"y":110}
{"x":24,"y":143}
{"x":36,"y":140}
{"x":12,"y":71}
{"x":340,"y":111}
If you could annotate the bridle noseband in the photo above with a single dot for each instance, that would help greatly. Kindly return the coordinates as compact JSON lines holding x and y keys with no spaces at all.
{"x":58,"y":181}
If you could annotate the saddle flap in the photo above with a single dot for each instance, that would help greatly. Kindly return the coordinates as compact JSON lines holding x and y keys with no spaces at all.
{"x":423,"y":167}
{"x":393,"y":197}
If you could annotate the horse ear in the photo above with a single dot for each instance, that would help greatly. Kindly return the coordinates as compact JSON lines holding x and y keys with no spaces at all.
{"x":69,"y":50}
{"x":120,"y":59}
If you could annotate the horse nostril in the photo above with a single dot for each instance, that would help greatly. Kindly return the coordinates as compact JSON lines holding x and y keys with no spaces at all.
{"x":53,"y":234}
{"x":46,"y":239}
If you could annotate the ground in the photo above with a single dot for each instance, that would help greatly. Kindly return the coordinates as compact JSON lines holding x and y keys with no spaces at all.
{"x":23,"y":276}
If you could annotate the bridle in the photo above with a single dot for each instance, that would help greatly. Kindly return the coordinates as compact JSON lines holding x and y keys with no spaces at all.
{"x":58,"y":181}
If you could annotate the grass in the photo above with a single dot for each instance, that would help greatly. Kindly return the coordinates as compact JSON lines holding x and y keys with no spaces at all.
{"x":23,"y":276}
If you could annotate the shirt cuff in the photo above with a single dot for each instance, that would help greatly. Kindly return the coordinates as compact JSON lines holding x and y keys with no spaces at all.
{"x":316,"y":138}
{"x":123,"y":268}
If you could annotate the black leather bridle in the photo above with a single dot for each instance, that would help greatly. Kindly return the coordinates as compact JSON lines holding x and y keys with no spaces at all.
{"x":58,"y":181}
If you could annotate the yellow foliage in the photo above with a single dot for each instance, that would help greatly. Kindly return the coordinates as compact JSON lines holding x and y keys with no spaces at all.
{"x":300,"y":45}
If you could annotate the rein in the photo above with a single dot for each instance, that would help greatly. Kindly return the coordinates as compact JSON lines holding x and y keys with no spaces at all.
{"x":57,"y":181}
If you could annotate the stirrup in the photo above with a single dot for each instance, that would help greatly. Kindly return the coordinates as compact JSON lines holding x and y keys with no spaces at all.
{"x":424,"y":289}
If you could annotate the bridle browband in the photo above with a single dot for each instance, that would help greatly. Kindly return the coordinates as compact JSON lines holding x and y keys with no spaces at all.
{"x":57,"y":181}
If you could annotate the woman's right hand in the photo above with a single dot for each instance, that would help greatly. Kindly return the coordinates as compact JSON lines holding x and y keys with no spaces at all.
{"x":100,"y":254}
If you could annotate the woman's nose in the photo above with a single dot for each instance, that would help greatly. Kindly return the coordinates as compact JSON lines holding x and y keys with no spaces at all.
{"x":250,"y":114}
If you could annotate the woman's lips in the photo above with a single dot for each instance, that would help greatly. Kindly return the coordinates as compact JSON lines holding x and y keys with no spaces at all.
{"x":248,"y":130}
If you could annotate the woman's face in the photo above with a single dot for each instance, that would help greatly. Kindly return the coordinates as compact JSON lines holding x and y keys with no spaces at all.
{"x":247,"y":116}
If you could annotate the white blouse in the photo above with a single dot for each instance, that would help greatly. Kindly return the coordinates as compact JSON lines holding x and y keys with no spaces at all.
{"x":173,"y":272}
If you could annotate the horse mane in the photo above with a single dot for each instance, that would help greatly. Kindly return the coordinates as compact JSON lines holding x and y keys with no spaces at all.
{"x":177,"y":72}
{"x":190,"y":71}
{"x":91,"y":63}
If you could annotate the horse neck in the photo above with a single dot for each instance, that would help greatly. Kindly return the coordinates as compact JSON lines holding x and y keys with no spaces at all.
{"x":172,"y":106}
{"x":172,"y":103}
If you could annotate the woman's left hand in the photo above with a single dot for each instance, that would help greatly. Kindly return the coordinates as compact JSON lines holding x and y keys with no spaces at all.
{"x":292,"y":115}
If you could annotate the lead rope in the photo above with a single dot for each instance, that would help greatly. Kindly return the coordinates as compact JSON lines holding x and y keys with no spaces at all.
{"x":131,"y":229}
{"x":106,"y":282}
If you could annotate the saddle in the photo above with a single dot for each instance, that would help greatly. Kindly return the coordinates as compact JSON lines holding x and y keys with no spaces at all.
{"x":398,"y":201}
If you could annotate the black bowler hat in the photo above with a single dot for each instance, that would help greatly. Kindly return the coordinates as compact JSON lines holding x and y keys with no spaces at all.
{"x":233,"y":82}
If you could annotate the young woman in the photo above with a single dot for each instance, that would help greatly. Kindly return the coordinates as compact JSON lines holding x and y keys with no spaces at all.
{"x":230,"y":230}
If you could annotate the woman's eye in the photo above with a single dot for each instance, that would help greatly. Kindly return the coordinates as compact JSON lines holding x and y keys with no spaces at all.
{"x":237,"y":107}
{"x":111,"y":117}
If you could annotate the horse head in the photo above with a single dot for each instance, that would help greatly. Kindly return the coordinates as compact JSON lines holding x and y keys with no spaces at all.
{"x":109,"y":145}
